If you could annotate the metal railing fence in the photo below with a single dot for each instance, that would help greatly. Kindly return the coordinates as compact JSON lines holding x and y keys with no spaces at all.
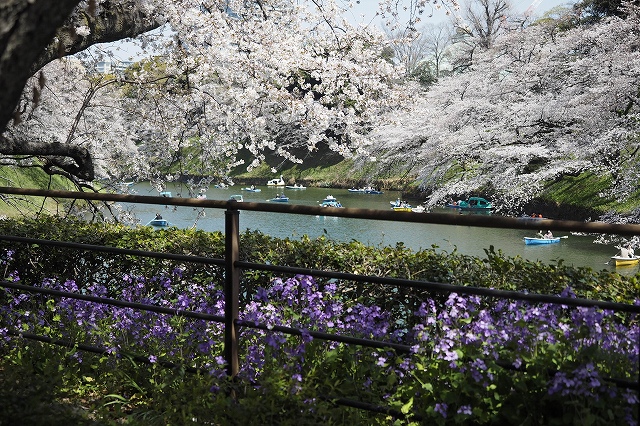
{"x":234,"y":267}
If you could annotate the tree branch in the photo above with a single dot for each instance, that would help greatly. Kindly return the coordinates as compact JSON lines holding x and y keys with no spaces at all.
{"x":115,"y":20}
{"x":59,"y":153}
{"x":35,"y":32}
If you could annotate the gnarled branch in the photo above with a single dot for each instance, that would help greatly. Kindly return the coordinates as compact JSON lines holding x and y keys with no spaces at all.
{"x":115,"y":20}
{"x":58,"y":153}
{"x":35,"y":32}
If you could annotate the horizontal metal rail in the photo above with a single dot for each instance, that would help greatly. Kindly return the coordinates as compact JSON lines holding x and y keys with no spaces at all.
{"x":113,"y":302}
{"x":102,"y":351}
{"x":327,"y":336}
{"x":446,"y":288}
{"x":485,"y":221}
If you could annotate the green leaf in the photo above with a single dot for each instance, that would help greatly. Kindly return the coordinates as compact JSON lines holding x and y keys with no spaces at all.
{"x":407,"y":407}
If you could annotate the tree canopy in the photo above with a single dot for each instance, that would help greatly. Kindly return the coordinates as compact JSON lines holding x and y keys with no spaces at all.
{"x":254,"y":75}
{"x":539,"y":105}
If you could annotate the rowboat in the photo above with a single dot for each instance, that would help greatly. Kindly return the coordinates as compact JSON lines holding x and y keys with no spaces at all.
{"x":472,"y":204}
{"x":625,"y":261}
{"x":330,"y":201}
{"x":533,"y":241}
{"x":159,"y":223}
{"x":252,"y":189}
{"x":331,"y":204}
{"x":295,"y":186}
{"x":236,"y":197}
{"x":367,"y":190}
{"x":400,"y":206}
{"x":537,"y":217}
{"x":276,"y":182}
{"x":280,"y":198}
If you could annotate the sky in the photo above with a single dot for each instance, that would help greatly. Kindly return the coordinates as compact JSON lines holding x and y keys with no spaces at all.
{"x":364,"y":11}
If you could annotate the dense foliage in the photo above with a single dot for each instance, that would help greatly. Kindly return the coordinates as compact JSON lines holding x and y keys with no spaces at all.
{"x":458,"y":369}
{"x":540,"y":104}
{"x":466,"y":354}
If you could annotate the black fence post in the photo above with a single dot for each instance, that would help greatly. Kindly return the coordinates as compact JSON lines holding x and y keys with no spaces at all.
{"x":231,"y":289}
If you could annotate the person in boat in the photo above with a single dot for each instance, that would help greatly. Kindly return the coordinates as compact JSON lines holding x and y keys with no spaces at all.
{"x":540,"y":234}
{"x":158,"y":216}
{"x":253,"y":187}
{"x":548,"y":235}
{"x":627,"y":252}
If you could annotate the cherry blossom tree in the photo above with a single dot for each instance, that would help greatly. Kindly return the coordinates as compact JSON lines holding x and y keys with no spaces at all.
{"x":478,"y":24}
{"x":537,"y":106}
{"x":32,"y":34}
{"x":422,"y":50}
{"x":266,"y":75}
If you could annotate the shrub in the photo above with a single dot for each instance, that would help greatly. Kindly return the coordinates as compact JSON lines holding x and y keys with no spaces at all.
{"x":468,"y":364}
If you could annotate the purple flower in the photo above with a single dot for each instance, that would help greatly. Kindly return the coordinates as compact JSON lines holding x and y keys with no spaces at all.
{"x":178,"y":272}
{"x":261,"y":295}
{"x":465,"y":409}
{"x":441,"y":408}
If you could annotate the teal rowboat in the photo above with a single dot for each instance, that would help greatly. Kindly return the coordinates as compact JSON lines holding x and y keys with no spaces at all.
{"x":533,"y":241}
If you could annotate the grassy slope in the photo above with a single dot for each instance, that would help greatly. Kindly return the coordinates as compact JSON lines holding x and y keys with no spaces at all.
{"x":584,"y":191}
{"x":13,"y":206}
{"x":323,"y":169}
{"x":590,"y":192}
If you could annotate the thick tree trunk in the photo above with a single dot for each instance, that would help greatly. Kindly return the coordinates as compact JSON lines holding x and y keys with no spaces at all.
{"x":35,"y":32}
{"x":26,"y":28}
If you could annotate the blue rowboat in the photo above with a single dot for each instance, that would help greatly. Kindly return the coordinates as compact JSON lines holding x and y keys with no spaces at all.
{"x":159,"y":223}
{"x":533,"y":241}
{"x":280,"y":199}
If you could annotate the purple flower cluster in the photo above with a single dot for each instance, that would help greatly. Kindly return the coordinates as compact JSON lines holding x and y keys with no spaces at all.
{"x":463,"y":339}
{"x":127,"y":329}
{"x":584,"y":345}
